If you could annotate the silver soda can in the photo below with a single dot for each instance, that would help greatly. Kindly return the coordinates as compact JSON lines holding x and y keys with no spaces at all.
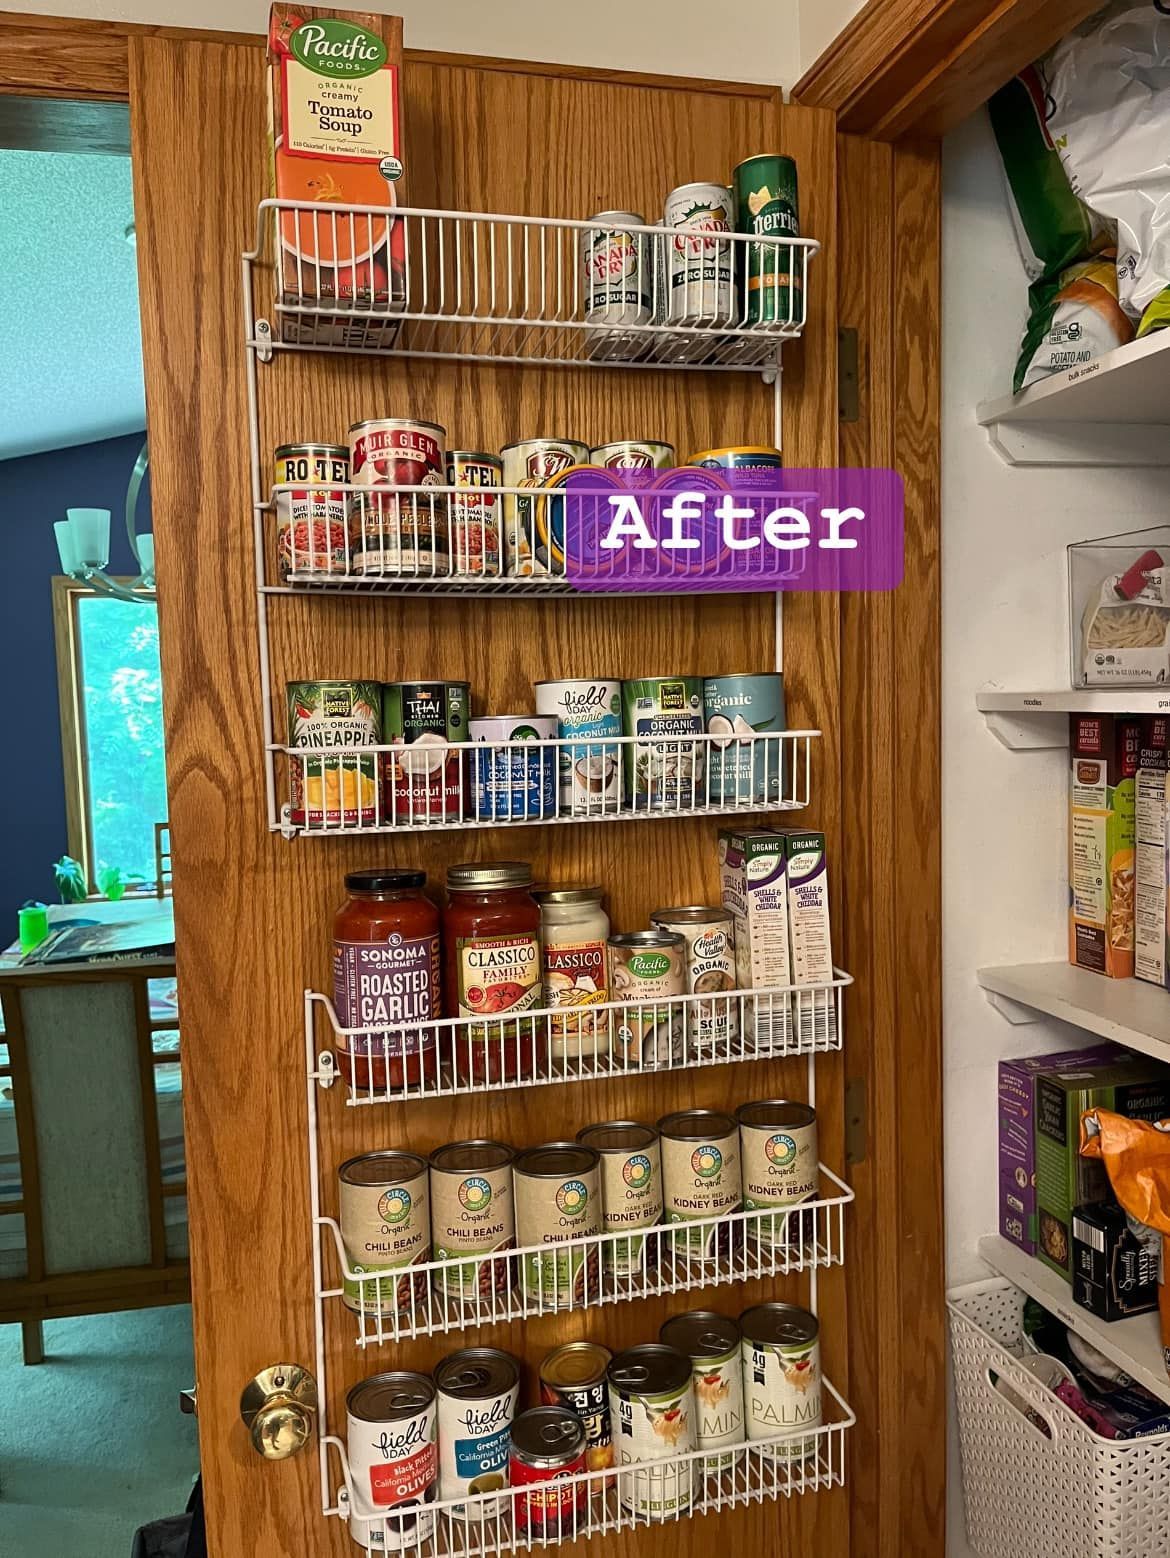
{"x":652,"y":1410}
{"x":699,"y":269}
{"x":392,"y":1443}
{"x":781,"y":1378}
{"x":778,"y":1144}
{"x":477,"y":1389}
{"x":617,"y":286}
{"x":712,"y":1342}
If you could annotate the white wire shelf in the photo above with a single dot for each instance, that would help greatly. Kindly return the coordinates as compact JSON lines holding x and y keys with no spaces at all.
{"x":513,"y":1284}
{"x":455,"y":1055}
{"x":808,"y":1461}
{"x":412,"y":281}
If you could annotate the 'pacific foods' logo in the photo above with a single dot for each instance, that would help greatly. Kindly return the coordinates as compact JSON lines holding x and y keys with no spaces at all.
{"x":475,"y":1194}
{"x":334,"y":48}
{"x":706,"y":1161}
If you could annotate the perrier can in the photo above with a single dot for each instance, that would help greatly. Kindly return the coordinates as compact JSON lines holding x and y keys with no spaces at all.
{"x":766,"y":207}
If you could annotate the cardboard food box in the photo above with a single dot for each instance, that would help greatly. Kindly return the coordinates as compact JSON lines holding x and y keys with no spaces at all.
{"x":1103,"y":752}
{"x":753,"y":885}
{"x":1115,"y":1262}
{"x":1150,"y":853}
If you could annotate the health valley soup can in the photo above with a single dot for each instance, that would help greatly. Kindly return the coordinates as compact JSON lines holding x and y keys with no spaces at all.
{"x":778,"y":1140}
{"x":558,"y":1199}
{"x":477,"y":1389}
{"x":473,"y":1219}
{"x":767,"y":207}
{"x":385,"y":1226}
{"x":701,"y":1180}
{"x":392,"y":1438}
{"x":652,"y":1407}
{"x":712,"y":1342}
{"x":781,"y":1378}
{"x":631,"y":1191}
{"x":709,"y":933}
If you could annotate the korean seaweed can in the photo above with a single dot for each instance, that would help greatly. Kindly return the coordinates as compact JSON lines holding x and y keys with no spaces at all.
{"x":573,"y":1376}
{"x":766,"y":206}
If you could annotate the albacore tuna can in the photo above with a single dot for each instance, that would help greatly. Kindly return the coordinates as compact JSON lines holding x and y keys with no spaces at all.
{"x":739,"y":457}
{"x":396,"y":533}
{"x":385,"y":1225}
{"x":700,"y":280}
{"x":392,"y":1437}
{"x":701,"y":1179}
{"x":530,"y":462}
{"x":631,"y":1191}
{"x":425,"y":778}
{"x":664,"y":771}
{"x":558,"y":1198}
{"x":709,"y":933}
{"x":652,"y":1408}
{"x":478,"y":1389}
{"x":633,"y":454}
{"x":473,"y":1218}
{"x":737,"y":709}
{"x":712,"y":1342}
{"x":646,"y":970}
{"x":590,"y":768}
{"x":767,"y":207}
{"x":311,"y":536}
{"x":781,"y":1378}
{"x":515,"y":774}
{"x":778,"y":1141}
{"x":573,"y":1376}
{"x":331,"y":784}
{"x":474,"y":517}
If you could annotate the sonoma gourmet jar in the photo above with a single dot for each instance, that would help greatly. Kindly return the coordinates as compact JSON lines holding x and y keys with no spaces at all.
{"x":393,"y":1444}
{"x":574,"y":930}
{"x":386,"y":979}
{"x":491,"y":935}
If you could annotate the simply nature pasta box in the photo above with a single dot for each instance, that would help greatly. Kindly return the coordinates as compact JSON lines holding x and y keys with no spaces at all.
{"x":753,"y":885}
{"x":1103,"y":754}
{"x":1151,"y":863}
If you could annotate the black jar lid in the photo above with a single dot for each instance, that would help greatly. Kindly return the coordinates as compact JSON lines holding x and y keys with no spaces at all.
{"x":384,"y":881}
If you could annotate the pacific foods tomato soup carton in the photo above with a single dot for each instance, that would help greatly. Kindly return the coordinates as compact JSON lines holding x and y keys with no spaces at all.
{"x":334,"y":127}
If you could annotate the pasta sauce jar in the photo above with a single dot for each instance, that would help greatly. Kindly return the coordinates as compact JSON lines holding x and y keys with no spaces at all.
{"x":491,"y":935}
{"x":386,"y":976}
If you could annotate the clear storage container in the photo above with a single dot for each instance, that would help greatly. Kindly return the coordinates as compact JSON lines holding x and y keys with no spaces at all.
{"x":1119,"y":609}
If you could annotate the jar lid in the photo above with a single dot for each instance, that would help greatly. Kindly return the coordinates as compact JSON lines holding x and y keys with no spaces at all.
{"x":567,"y":895}
{"x":495,"y":873}
{"x":384,"y":881}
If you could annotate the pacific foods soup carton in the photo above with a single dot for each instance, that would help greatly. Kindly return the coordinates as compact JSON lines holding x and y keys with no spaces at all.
{"x":1103,"y":751}
{"x":336,"y":141}
{"x":753,"y":885}
{"x":1150,"y":851}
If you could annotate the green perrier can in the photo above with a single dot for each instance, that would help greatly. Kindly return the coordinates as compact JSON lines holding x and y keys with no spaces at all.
{"x":766,"y":206}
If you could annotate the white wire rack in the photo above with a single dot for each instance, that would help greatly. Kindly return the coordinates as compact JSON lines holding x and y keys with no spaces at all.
{"x":417,"y":282}
{"x":453,"y":1055}
{"x":808,"y":1461}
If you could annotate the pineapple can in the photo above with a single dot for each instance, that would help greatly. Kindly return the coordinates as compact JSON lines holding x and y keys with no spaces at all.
{"x":767,"y":206}
{"x":331,"y":783}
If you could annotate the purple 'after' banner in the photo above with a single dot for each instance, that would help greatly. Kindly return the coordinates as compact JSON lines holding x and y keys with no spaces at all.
{"x":697,"y":529}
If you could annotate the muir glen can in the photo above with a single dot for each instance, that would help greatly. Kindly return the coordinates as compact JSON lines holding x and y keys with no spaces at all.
{"x":781,"y":1378}
{"x":478,"y":1389}
{"x":392,"y":1439}
{"x":424,"y":777}
{"x":652,"y":1409}
{"x":558,"y":1198}
{"x":712,"y":1342}
{"x":701,"y":1179}
{"x":311,"y":535}
{"x":474,"y":517}
{"x":573,"y":1376}
{"x":709,"y":934}
{"x":631,"y":1191}
{"x":393,"y":534}
{"x":385,"y":1225}
{"x":473,"y":1218}
{"x":778,"y":1140}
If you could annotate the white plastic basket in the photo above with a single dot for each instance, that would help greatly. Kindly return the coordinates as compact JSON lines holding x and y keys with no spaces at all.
{"x":1071,"y":1495}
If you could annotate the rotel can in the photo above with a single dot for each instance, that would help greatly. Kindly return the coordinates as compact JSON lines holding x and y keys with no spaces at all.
{"x":712,"y":1342}
{"x":633,"y":454}
{"x":311,"y":515}
{"x":778,"y":1141}
{"x":425,"y":778}
{"x":474,"y":517}
{"x":701,"y":1179}
{"x":548,"y":1449}
{"x":652,"y":1407}
{"x":478,"y":1389}
{"x":392,"y":1442}
{"x":781,"y":1378}
{"x":392,"y":535}
{"x":573,"y":1376}
{"x":767,"y":206}
{"x":385,"y":1225}
{"x":631,"y":1191}
{"x":700,"y":269}
{"x":530,"y":462}
{"x":473,"y":1216}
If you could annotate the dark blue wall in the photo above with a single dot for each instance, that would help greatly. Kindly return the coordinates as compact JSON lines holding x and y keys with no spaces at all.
{"x":34,"y":492}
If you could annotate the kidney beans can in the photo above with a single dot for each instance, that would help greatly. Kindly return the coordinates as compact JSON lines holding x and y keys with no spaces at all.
{"x":663,"y":770}
{"x":513,"y":776}
{"x":739,"y":710}
{"x":709,"y":933}
{"x":631,"y":1191}
{"x":331,"y":784}
{"x":781,"y":1378}
{"x":586,"y":712}
{"x":478,"y":1389}
{"x":385,"y":1225}
{"x":311,"y":536}
{"x":474,"y":518}
{"x":392,"y":1444}
{"x":473,"y":1215}
{"x":558,"y":1198}
{"x":701,"y":1179}
{"x":424,"y":778}
{"x":712,"y":1342}
{"x":633,"y":454}
{"x":646,"y":969}
{"x":573,"y":1376}
{"x":778,"y":1140}
{"x":531,"y":462}
{"x":391,"y":534}
{"x":652,"y":1407}
{"x":548,"y":1449}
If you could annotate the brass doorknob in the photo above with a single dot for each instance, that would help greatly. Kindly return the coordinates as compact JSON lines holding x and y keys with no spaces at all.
{"x":278,"y":1408}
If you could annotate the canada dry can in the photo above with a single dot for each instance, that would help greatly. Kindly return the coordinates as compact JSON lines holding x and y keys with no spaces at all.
{"x":514,"y":770}
{"x":664,"y":771}
{"x":738,"y":709}
{"x":647,"y":970}
{"x":766,"y":206}
{"x":573,"y":1376}
{"x":700,"y":281}
{"x":331,"y":784}
{"x":425,"y":778}
{"x":652,"y":1406}
{"x":548,"y":1450}
{"x":474,"y":517}
{"x":631,"y":1191}
{"x":778,"y":1140}
{"x":394,"y":533}
{"x":709,"y":933}
{"x":473,"y":1218}
{"x":781,"y":1378}
{"x":616,"y":270}
{"x":392,"y":1443}
{"x":311,"y":515}
{"x":532,"y":462}
{"x":633,"y":454}
{"x":700,"y":1179}
{"x":478,"y":1389}
{"x":590,"y":768}
{"x":385,"y":1225}
{"x":558,"y":1198}
{"x":712,"y":1342}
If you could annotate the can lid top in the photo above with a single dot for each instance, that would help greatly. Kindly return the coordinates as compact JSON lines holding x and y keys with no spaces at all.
{"x":701,"y":1333}
{"x":697,"y":1124}
{"x":648,"y":939}
{"x":383,"y":881}
{"x":382,"y":1168}
{"x":555,"y":1159}
{"x":474,"y":454}
{"x":650,"y":1368}
{"x":496,"y":873}
{"x":340,"y":450}
{"x":709,"y":454}
{"x":576,"y":1363}
{"x":565,"y":895}
{"x":633,"y":443}
{"x":464,"y":1156}
{"x":384,"y":1397}
{"x":783,"y":1324}
{"x":576,"y":681}
{"x":434,"y":427}
{"x":523,"y":443}
{"x":617,"y":1136}
{"x":690,"y":914}
{"x":776,"y":1111}
{"x":625,"y":216}
{"x":476,"y":1372}
{"x":548,"y":1433}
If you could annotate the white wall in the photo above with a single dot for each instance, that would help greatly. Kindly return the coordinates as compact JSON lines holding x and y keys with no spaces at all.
{"x":820,"y":22}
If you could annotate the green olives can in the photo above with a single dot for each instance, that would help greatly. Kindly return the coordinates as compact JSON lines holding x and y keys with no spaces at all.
{"x":767,"y":206}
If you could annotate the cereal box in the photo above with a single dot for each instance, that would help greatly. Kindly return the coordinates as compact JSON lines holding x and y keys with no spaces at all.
{"x":1150,"y":872}
{"x":1103,"y":751}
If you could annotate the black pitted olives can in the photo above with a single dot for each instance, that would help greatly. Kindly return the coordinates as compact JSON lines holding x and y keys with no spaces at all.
{"x":767,"y":207}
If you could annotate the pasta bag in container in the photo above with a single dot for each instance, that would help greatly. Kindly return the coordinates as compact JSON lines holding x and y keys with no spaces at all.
{"x":1119,"y":606}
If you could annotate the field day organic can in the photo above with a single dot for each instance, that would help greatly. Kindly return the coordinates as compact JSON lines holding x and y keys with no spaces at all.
{"x":530,"y":462}
{"x":478,"y":1389}
{"x":331,"y":785}
{"x":586,"y":712}
{"x":646,"y":970}
{"x":631,"y":1191}
{"x":392,"y":1440}
{"x":781,"y":1378}
{"x":701,"y":1179}
{"x":767,"y":206}
{"x":709,"y":933}
{"x":573,"y":1376}
{"x":664,"y":771}
{"x":778,"y":1140}
{"x":311,"y":515}
{"x":424,"y":777}
{"x":700,"y":281}
{"x":652,"y":1408}
{"x":558,"y":1198}
{"x":473,"y":1217}
{"x":474,"y":517}
{"x":712,"y":1342}
{"x":385,"y":1225}
{"x":737,"y":710}
{"x":514,"y":774}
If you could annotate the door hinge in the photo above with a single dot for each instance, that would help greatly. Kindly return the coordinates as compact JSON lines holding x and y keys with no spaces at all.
{"x":856,"y":1123}
{"x":848,"y":385}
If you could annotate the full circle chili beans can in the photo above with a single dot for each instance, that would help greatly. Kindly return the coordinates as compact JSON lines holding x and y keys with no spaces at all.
{"x":385,"y":1225}
{"x":478,"y":1389}
{"x":652,"y":1408}
{"x":778,"y":1139}
{"x":712,"y":1342}
{"x":473,"y":1219}
{"x":332,"y":784}
{"x":701,"y":1179}
{"x":573,"y":1376}
{"x":311,"y":536}
{"x":392,"y":1443}
{"x":709,"y":933}
{"x":548,"y":1448}
{"x":392,"y":534}
{"x":476,"y":535}
{"x":631,"y":1191}
{"x":781,"y":1378}
{"x":424,"y":779}
{"x":646,"y":970}
{"x":558,"y":1200}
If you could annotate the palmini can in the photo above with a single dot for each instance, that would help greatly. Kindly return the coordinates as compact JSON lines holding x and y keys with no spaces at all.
{"x":473,"y":1215}
{"x":558,"y":1198}
{"x":548,"y":1448}
{"x":781,"y":1378}
{"x":392,"y":1443}
{"x":647,"y":968}
{"x":712,"y":1342}
{"x":475,"y":531}
{"x":709,"y":933}
{"x":331,"y":785}
{"x":590,"y":768}
{"x":514,"y":776}
{"x":767,"y":206}
{"x":739,"y":708}
{"x":617,"y":276}
{"x":478,"y":1389}
{"x":652,"y":1407}
{"x":573,"y":1376}
{"x":664,"y":771}
{"x":395,"y":534}
{"x":385,"y":1225}
{"x":311,"y":516}
{"x":531,"y":462}
{"x":633,"y":454}
{"x":778,"y":1141}
{"x":700,"y":269}
{"x":700,"y":1179}
{"x":631,"y":1190}
{"x":424,"y":777}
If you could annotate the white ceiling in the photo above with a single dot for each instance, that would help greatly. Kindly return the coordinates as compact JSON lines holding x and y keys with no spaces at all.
{"x":70,"y":348}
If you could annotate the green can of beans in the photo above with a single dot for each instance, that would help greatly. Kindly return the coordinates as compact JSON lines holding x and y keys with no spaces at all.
{"x":767,"y":206}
